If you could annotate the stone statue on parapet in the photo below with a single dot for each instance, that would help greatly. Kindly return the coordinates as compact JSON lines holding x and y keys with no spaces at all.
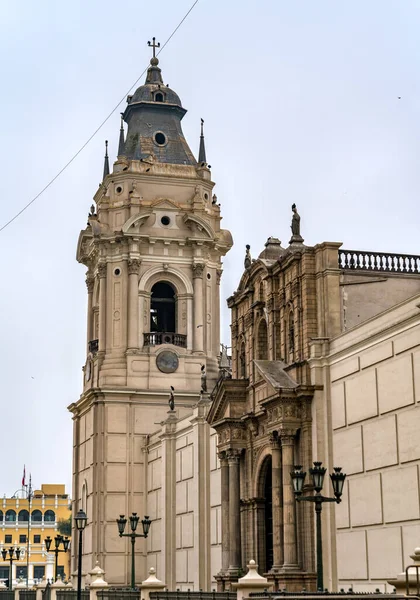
{"x":203,"y":379}
{"x":295,"y":226}
{"x":247,"y":261}
{"x":172,"y":399}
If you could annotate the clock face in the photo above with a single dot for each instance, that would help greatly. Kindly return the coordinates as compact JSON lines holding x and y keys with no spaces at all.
{"x":167,"y":361}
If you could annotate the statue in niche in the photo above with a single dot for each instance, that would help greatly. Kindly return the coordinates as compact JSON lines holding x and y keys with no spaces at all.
{"x":247,"y":261}
{"x":203,"y":379}
{"x":295,"y":226}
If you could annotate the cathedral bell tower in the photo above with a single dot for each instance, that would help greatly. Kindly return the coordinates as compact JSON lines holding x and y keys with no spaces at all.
{"x":152,"y":248}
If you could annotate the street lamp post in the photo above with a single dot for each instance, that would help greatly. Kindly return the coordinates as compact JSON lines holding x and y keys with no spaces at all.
{"x":58,"y":541}
{"x":14,"y":554}
{"x":81,"y":520}
{"x":318,"y":473}
{"x":134,"y":519}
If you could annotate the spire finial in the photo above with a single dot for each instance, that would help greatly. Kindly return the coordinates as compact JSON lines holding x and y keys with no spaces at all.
{"x":154,"y":45}
{"x":121,"y":142}
{"x":106,"y":162}
{"x":202,"y":149}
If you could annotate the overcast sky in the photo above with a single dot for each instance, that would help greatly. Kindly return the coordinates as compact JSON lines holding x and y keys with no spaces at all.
{"x":301,"y":104}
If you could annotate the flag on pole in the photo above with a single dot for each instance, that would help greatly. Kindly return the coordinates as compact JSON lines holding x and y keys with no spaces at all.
{"x":24,"y":476}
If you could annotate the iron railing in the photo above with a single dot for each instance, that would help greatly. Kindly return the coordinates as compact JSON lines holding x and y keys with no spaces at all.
{"x":189,"y":595}
{"x":71,"y":594}
{"x":156,"y":338}
{"x":27,"y":594}
{"x":378,"y":261}
{"x":119,"y":594}
{"x":7,"y":594}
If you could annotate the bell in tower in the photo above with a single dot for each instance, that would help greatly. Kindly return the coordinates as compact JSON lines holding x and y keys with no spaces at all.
{"x":152,"y":248}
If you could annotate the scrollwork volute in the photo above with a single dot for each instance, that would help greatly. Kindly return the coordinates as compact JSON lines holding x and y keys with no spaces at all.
{"x":218,"y":276}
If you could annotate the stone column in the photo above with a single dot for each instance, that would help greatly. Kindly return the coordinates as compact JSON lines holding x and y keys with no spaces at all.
{"x":198,"y":342}
{"x":224,"y":477}
{"x":133,"y":302}
{"x":90,"y":281}
{"x":234,"y":512}
{"x":289,"y":502}
{"x":102,"y":269}
{"x":277,"y":503}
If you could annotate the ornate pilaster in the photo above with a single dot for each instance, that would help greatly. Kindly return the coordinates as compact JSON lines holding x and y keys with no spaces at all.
{"x":102,"y":270}
{"x":287,"y":437}
{"x":224,"y":476}
{"x":133,"y":265}
{"x":90,"y":282}
{"x":198,"y":343}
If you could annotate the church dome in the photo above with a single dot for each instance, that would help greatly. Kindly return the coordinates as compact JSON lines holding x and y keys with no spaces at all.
{"x":273,"y":249}
{"x":154,"y":90}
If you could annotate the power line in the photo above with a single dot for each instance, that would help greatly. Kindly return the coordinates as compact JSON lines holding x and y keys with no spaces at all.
{"x":98,"y":128}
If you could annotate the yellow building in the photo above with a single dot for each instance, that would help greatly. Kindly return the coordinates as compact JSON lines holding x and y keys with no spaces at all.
{"x":26,"y":525}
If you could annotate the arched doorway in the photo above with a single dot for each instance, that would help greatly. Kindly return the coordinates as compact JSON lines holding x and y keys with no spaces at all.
{"x":162,"y":308}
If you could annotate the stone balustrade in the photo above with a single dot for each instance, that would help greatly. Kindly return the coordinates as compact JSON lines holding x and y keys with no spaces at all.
{"x":378,"y":261}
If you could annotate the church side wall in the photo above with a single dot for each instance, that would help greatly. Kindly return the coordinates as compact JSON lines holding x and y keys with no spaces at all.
{"x":365,"y":295}
{"x":375,"y":396}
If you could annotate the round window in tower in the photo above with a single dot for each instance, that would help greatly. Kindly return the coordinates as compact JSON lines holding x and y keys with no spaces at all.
{"x":165,"y":220}
{"x":160,"y":138}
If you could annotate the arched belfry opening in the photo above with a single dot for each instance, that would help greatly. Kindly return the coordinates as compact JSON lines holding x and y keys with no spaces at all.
{"x":265,"y":524}
{"x":162,"y":308}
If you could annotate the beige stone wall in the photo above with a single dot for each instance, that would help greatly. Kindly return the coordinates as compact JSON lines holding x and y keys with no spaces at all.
{"x":375,"y":412}
{"x":185,"y":537}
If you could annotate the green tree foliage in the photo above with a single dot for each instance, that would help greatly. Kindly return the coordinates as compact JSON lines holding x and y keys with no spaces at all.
{"x":64,"y":526}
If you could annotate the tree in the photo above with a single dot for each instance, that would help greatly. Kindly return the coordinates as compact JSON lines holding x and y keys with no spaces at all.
{"x":64,"y":526}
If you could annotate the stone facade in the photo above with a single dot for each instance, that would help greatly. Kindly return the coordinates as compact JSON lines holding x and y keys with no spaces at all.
{"x":290,"y":306}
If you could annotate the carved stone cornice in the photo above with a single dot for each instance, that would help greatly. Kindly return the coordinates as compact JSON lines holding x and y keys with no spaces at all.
{"x":102,"y":269}
{"x":198,"y":269}
{"x":133,"y":266}
{"x":90,"y":282}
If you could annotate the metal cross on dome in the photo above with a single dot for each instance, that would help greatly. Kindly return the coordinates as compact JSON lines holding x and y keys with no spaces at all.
{"x":154,"y":46}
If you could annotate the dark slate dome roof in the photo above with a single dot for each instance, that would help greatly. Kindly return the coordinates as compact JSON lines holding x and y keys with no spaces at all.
{"x":153,"y":85}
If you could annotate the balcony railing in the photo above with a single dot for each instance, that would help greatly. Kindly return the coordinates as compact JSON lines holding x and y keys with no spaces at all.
{"x":378,"y":261}
{"x":156,"y":338}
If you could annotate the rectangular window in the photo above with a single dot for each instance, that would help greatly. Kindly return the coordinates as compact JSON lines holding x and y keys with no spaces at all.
{"x":37,"y":539}
{"x":39,"y":571}
{"x":7,"y":539}
{"x":60,"y":571}
{"x":21,"y":571}
{"x":22,"y":538}
{"x":4,"y":572}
